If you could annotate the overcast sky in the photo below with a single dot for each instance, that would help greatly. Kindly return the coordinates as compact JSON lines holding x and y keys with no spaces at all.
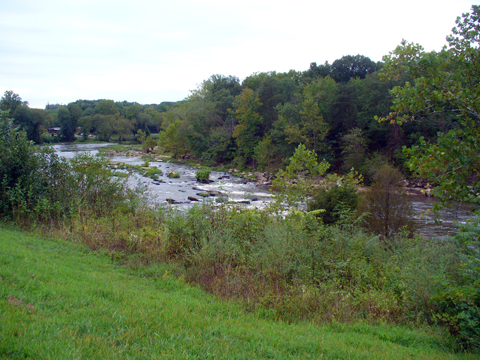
{"x":152,"y":51}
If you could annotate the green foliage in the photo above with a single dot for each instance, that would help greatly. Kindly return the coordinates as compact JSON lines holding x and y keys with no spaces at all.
{"x":264,"y":153}
{"x":148,"y":143}
{"x":67,"y":123}
{"x":248,"y":131}
{"x":96,"y":190}
{"x":144,"y":169}
{"x":31,"y":121}
{"x":173,"y":139}
{"x":10,"y":101}
{"x":203,"y":175}
{"x":387,"y":204}
{"x":337,"y":201}
{"x":37,"y":184}
{"x":298,"y":181}
{"x":354,"y":150}
{"x":28,"y":178}
{"x":443,"y":82}
{"x":457,"y":308}
{"x":51,"y":284}
{"x":142,"y":136}
{"x":107,"y":107}
{"x":350,"y":66}
{"x":457,"y":305}
{"x":173,"y":175}
{"x":451,"y":163}
{"x":311,"y":129}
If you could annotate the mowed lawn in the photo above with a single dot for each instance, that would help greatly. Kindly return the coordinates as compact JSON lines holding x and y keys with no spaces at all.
{"x":59,"y":300}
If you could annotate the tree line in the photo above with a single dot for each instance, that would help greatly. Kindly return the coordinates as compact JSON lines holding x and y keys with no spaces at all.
{"x":256,"y":123}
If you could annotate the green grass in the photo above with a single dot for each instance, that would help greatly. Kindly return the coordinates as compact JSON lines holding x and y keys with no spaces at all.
{"x":59,"y":300}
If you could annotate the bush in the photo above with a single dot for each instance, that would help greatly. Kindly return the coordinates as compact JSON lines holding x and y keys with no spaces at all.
{"x":458,"y":308}
{"x":95,"y":189}
{"x":149,"y":144}
{"x":457,"y":305}
{"x":203,"y":175}
{"x":37,"y":183}
{"x":173,"y":175}
{"x":336,"y":200}
{"x":387,"y":204}
{"x":29,"y":176}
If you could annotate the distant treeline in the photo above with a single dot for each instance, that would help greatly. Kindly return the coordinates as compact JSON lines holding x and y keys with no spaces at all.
{"x":256,"y":123}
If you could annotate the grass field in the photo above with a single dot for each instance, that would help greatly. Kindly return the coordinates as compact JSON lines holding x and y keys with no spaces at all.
{"x":59,"y":300}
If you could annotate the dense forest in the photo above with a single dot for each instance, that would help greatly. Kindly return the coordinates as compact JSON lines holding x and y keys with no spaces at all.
{"x":256,"y":123}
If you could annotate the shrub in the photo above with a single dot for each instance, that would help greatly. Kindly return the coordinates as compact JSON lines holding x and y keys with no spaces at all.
{"x":458,"y":308}
{"x":28,"y":175}
{"x":173,"y":175}
{"x":203,"y":175}
{"x":387,"y":203}
{"x":95,"y":188}
{"x":458,"y":304}
{"x":336,"y":200}
{"x":36,"y":182}
{"x":149,"y":144}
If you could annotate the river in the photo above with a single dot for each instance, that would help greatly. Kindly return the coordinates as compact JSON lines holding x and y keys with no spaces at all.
{"x":241,"y":191}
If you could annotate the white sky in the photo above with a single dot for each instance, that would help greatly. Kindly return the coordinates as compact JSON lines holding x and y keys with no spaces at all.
{"x":153,"y":51}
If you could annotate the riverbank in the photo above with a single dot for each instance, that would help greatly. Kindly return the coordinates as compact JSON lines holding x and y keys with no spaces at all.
{"x":248,"y":188}
{"x":291,"y":266}
{"x":60,"y":300}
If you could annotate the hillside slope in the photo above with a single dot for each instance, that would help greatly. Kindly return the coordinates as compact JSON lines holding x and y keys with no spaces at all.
{"x":61,"y":301}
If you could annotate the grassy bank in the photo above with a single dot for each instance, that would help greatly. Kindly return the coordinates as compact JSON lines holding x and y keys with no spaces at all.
{"x":59,"y":300}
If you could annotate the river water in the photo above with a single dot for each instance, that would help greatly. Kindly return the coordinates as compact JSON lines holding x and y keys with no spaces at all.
{"x":241,"y":191}
{"x":232,"y":188}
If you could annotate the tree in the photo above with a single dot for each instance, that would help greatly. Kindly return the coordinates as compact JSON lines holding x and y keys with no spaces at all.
{"x":133,"y":111}
{"x":67,"y":124}
{"x":318,"y":71}
{"x":297,"y":183}
{"x":148,"y":143}
{"x":103,"y":125}
{"x":444,"y":83}
{"x":86,"y":123}
{"x":312,"y":128}
{"x":387,"y":204}
{"x":350,"y":66}
{"x":265,"y":153}
{"x":248,"y":131}
{"x":122,"y":127}
{"x":107,"y":107}
{"x":23,"y":117}
{"x":30,"y":176}
{"x":10,"y":101}
{"x":354,"y":149}
{"x":173,"y":139}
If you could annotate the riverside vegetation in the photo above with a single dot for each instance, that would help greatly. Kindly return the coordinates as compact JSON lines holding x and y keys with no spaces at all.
{"x":60,"y":300}
{"x":282,"y":268}
{"x":347,"y":259}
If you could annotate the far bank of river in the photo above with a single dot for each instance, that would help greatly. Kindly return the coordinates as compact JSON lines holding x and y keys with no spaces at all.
{"x":239,"y":190}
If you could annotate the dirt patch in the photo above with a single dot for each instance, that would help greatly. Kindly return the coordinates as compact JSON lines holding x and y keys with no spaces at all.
{"x":17,"y":302}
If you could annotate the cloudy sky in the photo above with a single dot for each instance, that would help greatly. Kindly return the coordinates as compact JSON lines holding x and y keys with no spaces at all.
{"x":152,"y":51}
